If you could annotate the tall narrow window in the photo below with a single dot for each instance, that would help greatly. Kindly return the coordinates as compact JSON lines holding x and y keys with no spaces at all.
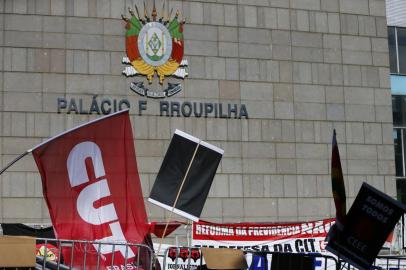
{"x":402,"y":49}
{"x":392,"y":50}
{"x":399,"y":141}
{"x":401,"y":189}
{"x":399,"y":110}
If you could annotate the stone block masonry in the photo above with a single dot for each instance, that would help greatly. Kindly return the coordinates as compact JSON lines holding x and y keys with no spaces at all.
{"x":301,"y":68}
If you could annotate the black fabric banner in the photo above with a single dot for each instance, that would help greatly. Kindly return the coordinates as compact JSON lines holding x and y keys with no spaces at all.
{"x":199,"y":178}
{"x":371,"y":219}
{"x":18,"y":229}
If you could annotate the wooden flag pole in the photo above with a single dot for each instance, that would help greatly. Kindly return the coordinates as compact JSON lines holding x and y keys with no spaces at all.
{"x":177,"y":197}
{"x":14,"y":161}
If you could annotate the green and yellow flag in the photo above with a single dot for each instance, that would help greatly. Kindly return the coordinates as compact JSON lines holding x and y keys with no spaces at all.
{"x":337,"y":183}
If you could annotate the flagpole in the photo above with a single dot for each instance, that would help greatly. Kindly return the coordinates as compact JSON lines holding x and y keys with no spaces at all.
{"x":177,"y":196}
{"x":14,"y":161}
{"x":189,"y":230}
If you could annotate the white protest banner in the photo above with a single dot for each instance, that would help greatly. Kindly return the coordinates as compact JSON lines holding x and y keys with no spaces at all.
{"x":303,"y":237}
{"x":299,"y":237}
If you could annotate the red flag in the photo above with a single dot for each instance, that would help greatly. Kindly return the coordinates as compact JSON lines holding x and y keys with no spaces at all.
{"x":337,"y":182}
{"x":158,"y":228}
{"x":92,"y":189}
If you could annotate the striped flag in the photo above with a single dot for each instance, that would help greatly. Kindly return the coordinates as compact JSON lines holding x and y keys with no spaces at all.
{"x":337,"y":183}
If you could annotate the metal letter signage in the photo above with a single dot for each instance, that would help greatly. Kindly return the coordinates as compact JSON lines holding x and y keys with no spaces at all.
{"x":154,"y":46}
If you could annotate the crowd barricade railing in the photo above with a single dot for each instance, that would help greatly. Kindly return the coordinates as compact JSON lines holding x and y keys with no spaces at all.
{"x":390,"y":262}
{"x":45,"y":261}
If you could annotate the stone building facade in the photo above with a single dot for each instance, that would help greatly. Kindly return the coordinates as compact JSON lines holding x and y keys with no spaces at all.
{"x":301,"y":68}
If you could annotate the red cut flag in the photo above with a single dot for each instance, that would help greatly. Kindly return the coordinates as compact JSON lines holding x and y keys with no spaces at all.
{"x":337,"y":183}
{"x":92,"y":189}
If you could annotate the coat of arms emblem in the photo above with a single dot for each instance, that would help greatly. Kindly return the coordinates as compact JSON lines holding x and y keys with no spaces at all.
{"x":154,"y":49}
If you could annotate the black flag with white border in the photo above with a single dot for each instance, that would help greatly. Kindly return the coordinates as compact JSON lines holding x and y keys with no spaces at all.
{"x":186,"y":174}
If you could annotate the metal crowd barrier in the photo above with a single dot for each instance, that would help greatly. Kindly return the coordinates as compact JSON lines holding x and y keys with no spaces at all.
{"x":390,"y":262}
{"x":182,"y":257}
{"x":381,"y":263}
{"x":70,"y":246}
{"x":185,"y":257}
